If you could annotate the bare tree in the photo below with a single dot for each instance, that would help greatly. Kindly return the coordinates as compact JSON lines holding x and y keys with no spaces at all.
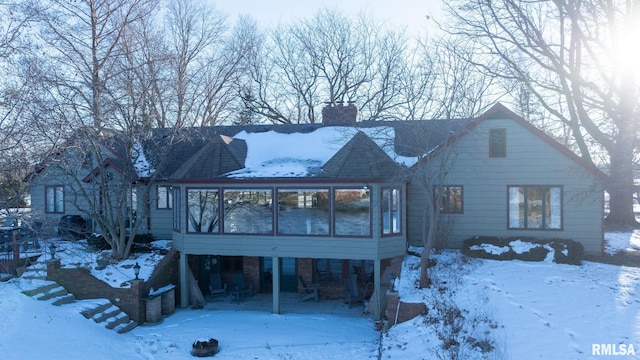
{"x":83,"y":39}
{"x":89,"y":89}
{"x":575,"y":57}
{"x":15,"y":90}
{"x":328,"y":58}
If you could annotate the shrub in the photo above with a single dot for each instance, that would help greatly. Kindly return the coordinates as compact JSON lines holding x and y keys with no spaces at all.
{"x":97,"y":242}
{"x":523,"y":248}
{"x":143,"y":239}
{"x":567,"y":251}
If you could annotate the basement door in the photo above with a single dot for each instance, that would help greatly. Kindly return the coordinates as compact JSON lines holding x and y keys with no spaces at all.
{"x":288,"y":275}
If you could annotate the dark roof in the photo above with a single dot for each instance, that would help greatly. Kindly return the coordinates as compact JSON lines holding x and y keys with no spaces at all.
{"x":361,"y":158}
{"x":219,"y":156}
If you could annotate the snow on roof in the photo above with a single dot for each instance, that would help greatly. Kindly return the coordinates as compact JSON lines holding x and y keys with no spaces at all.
{"x":274,"y":154}
{"x":140,"y":162}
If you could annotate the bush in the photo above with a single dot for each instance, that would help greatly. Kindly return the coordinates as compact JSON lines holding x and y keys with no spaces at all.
{"x":143,"y":239}
{"x":523,"y":248}
{"x":97,"y":242}
{"x":142,"y":243}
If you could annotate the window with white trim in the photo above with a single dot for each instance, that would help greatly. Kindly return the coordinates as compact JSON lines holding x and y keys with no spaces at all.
{"x":535,"y":207}
{"x":54,"y":199}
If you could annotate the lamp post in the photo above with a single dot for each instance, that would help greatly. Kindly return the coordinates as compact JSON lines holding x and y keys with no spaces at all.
{"x":136,"y":270}
{"x":52,"y":250}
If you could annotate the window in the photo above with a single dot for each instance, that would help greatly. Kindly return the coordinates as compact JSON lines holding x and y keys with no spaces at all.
{"x":54,"y":199}
{"x":327,"y":270}
{"x":248,"y":211}
{"x":498,"y":143}
{"x":535,"y":207}
{"x":164,"y":194}
{"x":203,"y":215}
{"x":303,"y":212}
{"x":352,"y":212}
{"x":391,"y":205}
{"x":176,"y":210}
{"x":449,"y":198}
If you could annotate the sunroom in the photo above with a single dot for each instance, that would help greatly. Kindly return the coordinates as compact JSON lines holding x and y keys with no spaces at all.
{"x":340,"y":221}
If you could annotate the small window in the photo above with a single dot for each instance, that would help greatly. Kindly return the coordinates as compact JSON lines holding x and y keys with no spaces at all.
{"x":176,"y":210}
{"x":164,"y":194}
{"x":391,"y":205}
{"x":449,"y":199}
{"x":498,"y":143}
{"x":54,"y":199}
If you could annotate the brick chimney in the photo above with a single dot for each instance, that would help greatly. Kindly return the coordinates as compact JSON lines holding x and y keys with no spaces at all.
{"x":339,"y":115}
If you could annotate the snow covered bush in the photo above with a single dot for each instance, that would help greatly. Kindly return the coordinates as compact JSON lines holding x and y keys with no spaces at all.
{"x":562,"y":251}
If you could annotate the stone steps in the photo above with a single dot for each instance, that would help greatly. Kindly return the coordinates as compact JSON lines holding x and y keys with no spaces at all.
{"x":111,"y":316}
{"x":102,"y":312}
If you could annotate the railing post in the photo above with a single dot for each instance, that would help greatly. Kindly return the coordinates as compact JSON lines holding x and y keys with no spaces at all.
{"x":16,"y":246}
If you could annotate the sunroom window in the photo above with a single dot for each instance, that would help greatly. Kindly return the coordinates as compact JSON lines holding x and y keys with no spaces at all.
{"x":248,"y":211}
{"x":202,"y":209}
{"x":303,"y":212}
{"x":352,"y":212}
{"x":535,"y":207}
{"x":391,"y":211}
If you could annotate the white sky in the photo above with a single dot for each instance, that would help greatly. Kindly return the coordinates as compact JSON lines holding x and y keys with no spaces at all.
{"x":410,"y":13}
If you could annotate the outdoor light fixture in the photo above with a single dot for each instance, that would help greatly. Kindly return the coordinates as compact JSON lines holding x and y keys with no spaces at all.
{"x":136,"y":270}
{"x":52,"y":249}
{"x":392,"y":282}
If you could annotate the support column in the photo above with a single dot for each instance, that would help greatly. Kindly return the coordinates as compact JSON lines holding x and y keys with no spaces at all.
{"x":276,"y":284}
{"x":377,"y":292}
{"x":184,"y":283}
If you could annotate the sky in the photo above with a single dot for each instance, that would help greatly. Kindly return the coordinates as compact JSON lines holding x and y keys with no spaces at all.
{"x":410,"y":13}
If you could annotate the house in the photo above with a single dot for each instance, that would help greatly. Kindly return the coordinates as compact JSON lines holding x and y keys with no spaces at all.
{"x":342,"y":200}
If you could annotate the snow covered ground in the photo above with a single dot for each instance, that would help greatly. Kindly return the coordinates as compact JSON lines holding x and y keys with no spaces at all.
{"x":514,"y":309}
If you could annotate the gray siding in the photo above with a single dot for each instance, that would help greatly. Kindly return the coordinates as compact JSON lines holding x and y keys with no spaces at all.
{"x":529,"y":161}
{"x":160,"y":220}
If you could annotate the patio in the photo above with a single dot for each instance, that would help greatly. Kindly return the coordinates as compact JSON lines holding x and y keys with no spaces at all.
{"x":289,"y":304}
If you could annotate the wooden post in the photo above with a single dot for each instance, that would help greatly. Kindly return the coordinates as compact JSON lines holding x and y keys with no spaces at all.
{"x":276,"y":284}
{"x":16,"y":246}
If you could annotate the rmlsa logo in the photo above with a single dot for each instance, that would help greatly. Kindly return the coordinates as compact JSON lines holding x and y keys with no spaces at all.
{"x":612,"y":349}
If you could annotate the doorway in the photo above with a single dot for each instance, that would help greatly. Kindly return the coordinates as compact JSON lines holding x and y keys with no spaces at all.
{"x":288,"y":274}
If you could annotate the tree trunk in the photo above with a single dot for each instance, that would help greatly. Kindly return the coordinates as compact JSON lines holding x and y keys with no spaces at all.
{"x":620,"y":185}
{"x":428,"y":234}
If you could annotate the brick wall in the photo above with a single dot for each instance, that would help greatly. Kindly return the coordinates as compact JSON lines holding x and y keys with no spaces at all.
{"x":406,"y":311}
{"x":251,"y":272}
{"x":340,"y":115}
{"x":83,"y":285}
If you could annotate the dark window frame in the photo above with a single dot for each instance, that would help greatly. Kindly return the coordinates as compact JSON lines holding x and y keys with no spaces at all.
{"x":400,"y":206}
{"x":334,"y":218}
{"x":168,"y":197}
{"x":198,"y":188}
{"x":56,"y":209}
{"x":223,"y":213}
{"x":177,"y":221}
{"x":446,"y":198}
{"x":543,"y":226}
{"x":498,"y":143}
{"x":277,"y":210}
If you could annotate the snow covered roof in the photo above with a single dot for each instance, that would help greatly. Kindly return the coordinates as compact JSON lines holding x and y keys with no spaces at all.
{"x":274,"y":154}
